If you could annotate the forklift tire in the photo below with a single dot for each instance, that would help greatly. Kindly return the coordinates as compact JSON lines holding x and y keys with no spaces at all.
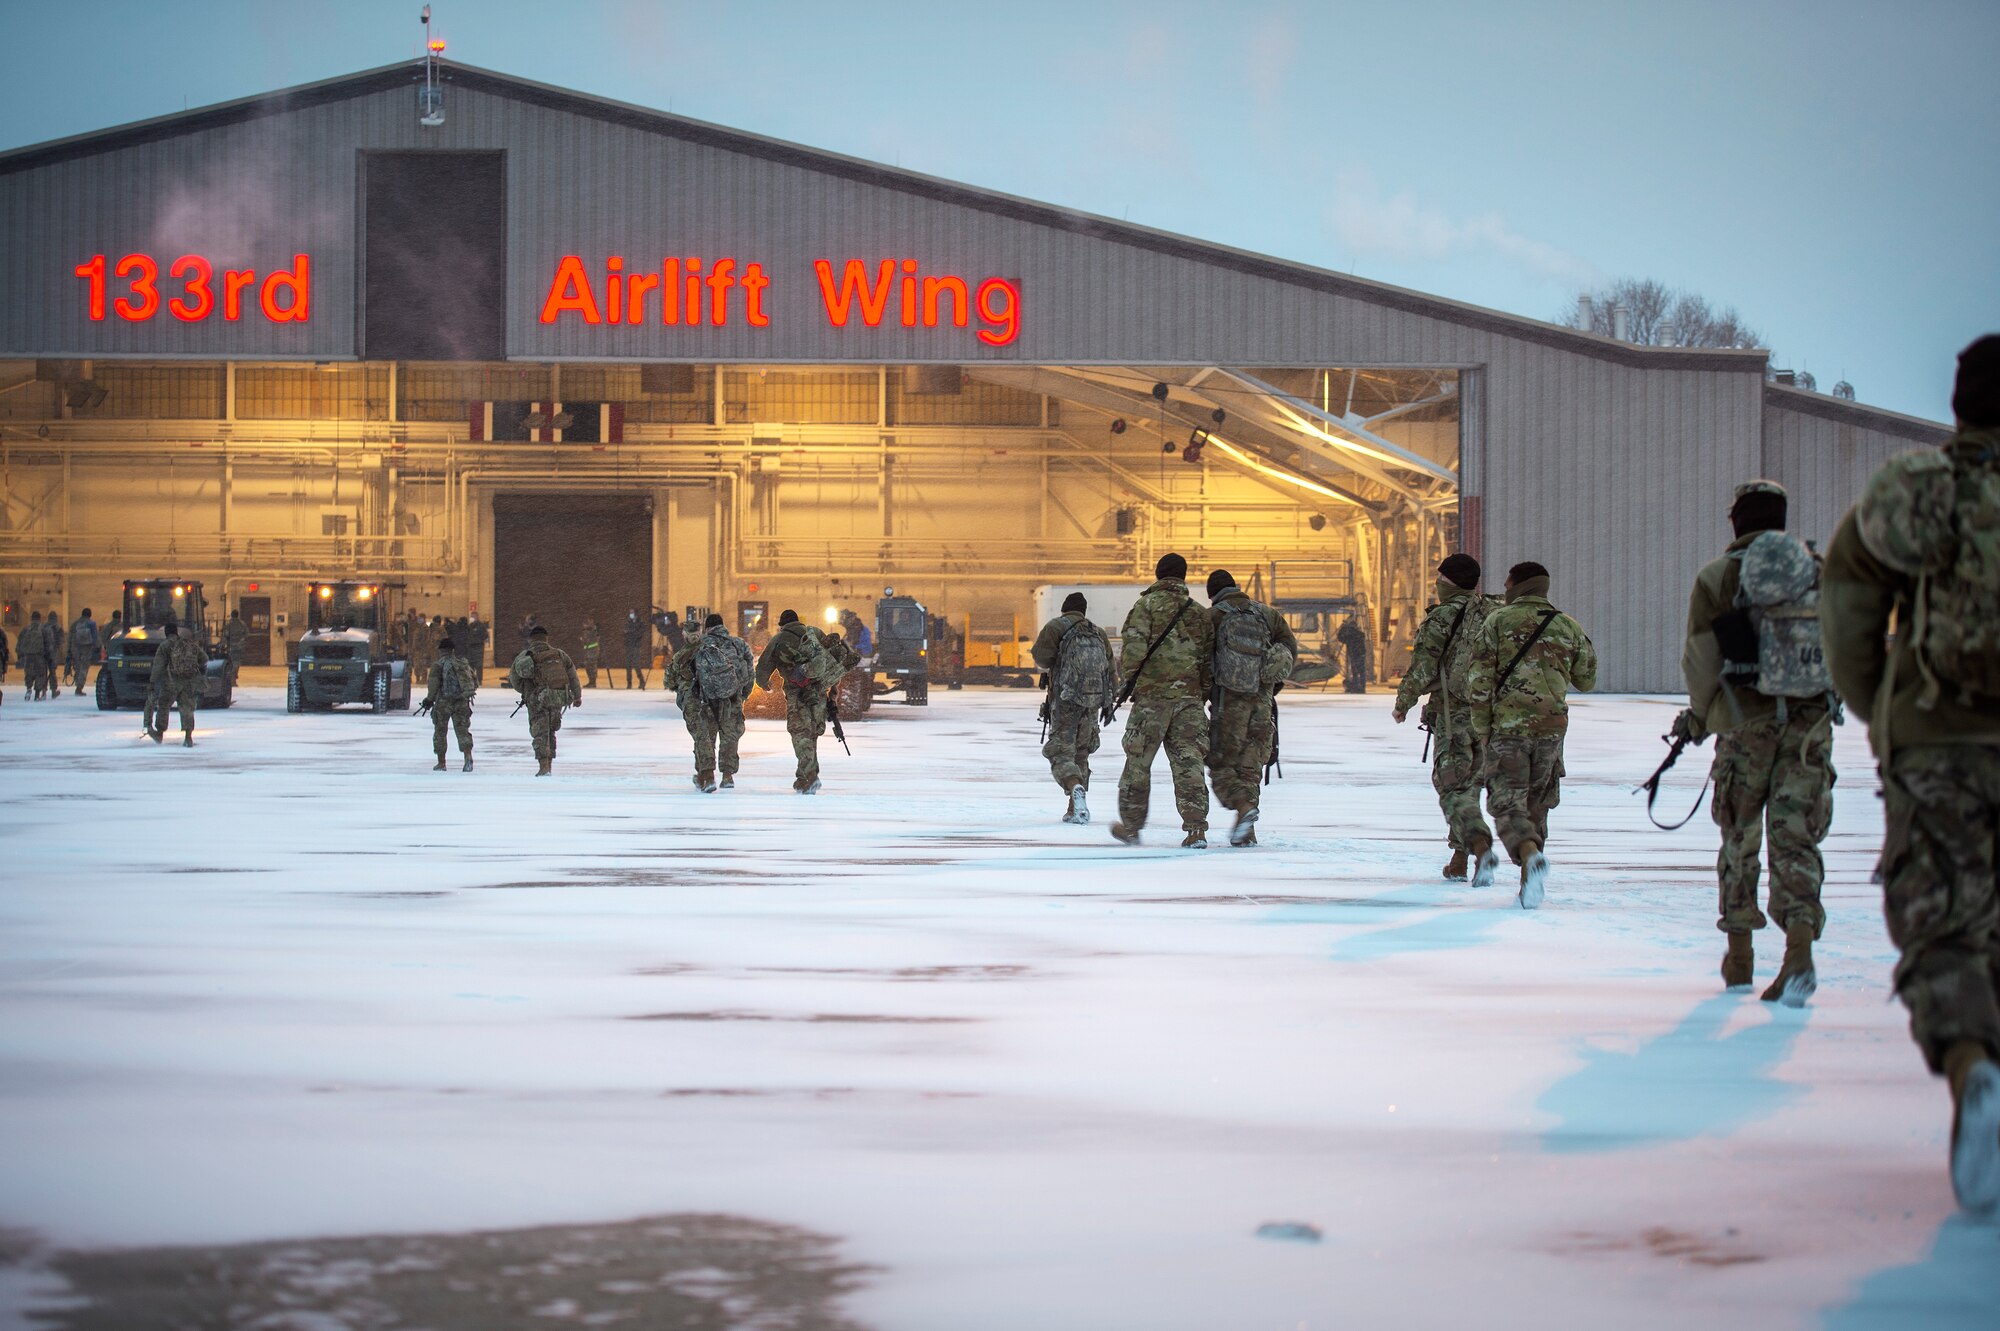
{"x":293,"y":701}
{"x":378,"y":691}
{"x":107,"y":696}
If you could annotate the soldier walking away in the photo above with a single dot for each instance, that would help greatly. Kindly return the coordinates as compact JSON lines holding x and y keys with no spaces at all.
{"x":82,"y":648}
{"x":1164,"y":661}
{"x":1353,"y":642}
{"x":591,"y":642}
{"x":448,"y":694}
{"x":1080,"y":682}
{"x":1530,"y":656}
{"x":235,"y":634}
{"x":34,"y":651}
{"x":710,"y":682}
{"x":178,"y":668}
{"x":1757,"y":680}
{"x":58,"y":640}
{"x":423,"y":647}
{"x":1439,"y":662}
{"x":1922,"y":551}
{"x":811,"y":672}
{"x":546,"y":679}
{"x":480,"y":636}
{"x":635,"y":648}
{"x":1255,"y":650}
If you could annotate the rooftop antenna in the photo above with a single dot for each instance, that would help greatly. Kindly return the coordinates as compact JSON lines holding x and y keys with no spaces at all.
{"x":430,"y":97}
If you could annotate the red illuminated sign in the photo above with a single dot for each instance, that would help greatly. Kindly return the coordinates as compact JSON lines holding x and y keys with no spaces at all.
{"x":284,"y":296}
{"x":681,"y":294}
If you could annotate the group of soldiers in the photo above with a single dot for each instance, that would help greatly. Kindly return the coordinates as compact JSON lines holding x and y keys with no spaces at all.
{"x":1900,"y":622}
{"x":52,"y":656}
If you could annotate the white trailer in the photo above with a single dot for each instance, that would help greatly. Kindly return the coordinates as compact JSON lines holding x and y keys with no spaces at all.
{"x":1109,"y":603}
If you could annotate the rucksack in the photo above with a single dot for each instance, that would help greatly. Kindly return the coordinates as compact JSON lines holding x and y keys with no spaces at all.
{"x":1463,"y":644}
{"x":1777,"y":589}
{"x":1083,"y":672}
{"x":722,"y":667}
{"x":458,"y":682}
{"x":1242,"y":638}
{"x":808,"y":663}
{"x":185,"y":659}
{"x":550,"y":672}
{"x":1937,"y":519}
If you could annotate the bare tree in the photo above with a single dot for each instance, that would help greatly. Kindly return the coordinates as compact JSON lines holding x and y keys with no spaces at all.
{"x":1659,"y":315}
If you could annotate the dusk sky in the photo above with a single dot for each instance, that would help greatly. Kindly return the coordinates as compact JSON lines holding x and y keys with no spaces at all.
{"x":1828,"y":168}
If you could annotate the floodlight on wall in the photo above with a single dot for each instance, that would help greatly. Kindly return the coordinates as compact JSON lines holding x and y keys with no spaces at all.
{"x":1118,"y":425}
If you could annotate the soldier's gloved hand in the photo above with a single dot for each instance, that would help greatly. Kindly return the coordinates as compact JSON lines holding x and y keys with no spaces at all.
{"x":1400,"y":716}
{"x":1107,"y":715}
{"x":1043,"y":684}
{"x":1688,"y":726}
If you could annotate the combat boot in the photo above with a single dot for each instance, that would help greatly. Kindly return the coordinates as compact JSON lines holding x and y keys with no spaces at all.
{"x":1079,"y":805}
{"x":158,"y":735}
{"x":704,"y":782}
{"x":1796,"y":978}
{"x":467,"y":766}
{"x":1455,"y":871}
{"x":544,"y":766}
{"x":1126,"y":836}
{"x":440,"y":764}
{"x":728,"y":781}
{"x":1739,"y":963}
{"x":1534,"y":875}
{"x":187,"y":739}
{"x":1485,"y":860}
{"x":1195,"y":841}
{"x":1975,"y":1126}
{"x":1244,"y":830}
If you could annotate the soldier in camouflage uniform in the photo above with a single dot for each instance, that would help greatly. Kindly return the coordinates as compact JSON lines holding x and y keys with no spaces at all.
{"x":1925,"y":542}
{"x":546,"y":679}
{"x":1064,"y":643}
{"x":593,"y":647}
{"x":715,"y":724}
{"x":792,"y":651}
{"x":1439,"y":662}
{"x":235,"y":635}
{"x":1530,"y":656}
{"x":34,"y":653}
{"x":175,"y":685}
{"x":1164,"y":661}
{"x":448,"y":693}
{"x":1773,"y":767}
{"x":1243,"y":725}
{"x":82,"y":649}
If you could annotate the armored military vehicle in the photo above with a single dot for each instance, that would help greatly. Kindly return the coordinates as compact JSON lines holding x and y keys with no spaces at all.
{"x":346,"y":655}
{"x":902,"y":647}
{"x":128,"y":653}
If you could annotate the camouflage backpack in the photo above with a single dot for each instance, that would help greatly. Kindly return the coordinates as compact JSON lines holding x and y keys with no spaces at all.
{"x":1462,"y":644}
{"x":458,"y":682}
{"x":722,"y":667}
{"x":1242,"y":638}
{"x":1937,"y":520}
{"x":549,"y":671}
{"x":1083,"y":673}
{"x":1777,"y":587}
{"x":185,"y":659}
{"x":808,"y":663}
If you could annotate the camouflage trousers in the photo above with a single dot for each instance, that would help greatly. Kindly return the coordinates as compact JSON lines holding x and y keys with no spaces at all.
{"x":35,"y":675}
{"x":454,"y":716}
{"x":589,"y":664}
{"x":805,"y":719}
{"x":544,"y":720}
{"x":1239,"y":744}
{"x":1777,"y":778}
{"x":1073,"y":737}
{"x":1523,"y":782}
{"x":160,"y":705}
{"x":1940,"y":875}
{"x":716,"y":729}
{"x":1457,"y":775}
{"x":1182,"y":727}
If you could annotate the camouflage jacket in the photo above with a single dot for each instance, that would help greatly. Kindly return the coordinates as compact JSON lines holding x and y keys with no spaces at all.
{"x":1535,"y":701}
{"x":83,"y":640}
{"x":434,"y":686}
{"x":1860,"y":596}
{"x":793,"y":644}
{"x":234,"y":634}
{"x":1701,"y":656}
{"x":521,"y":677}
{"x":34,"y":643}
{"x":1180,"y":668}
{"x":1458,"y":618}
{"x":1226,"y":603}
{"x":1051,"y":636}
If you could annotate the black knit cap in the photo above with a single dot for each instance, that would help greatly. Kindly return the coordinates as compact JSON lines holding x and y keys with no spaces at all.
{"x":1171,"y":566}
{"x":1522,"y":572}
{"x":1074,"y":601}
{"x":1219,"y":581}
{"x":538,"y":632}
{"x":1460,"y":570}
{"x":446,"y":644}
{"x":712,"y":622}
{"x":1975,"y":399}
{"x":788,"y":617}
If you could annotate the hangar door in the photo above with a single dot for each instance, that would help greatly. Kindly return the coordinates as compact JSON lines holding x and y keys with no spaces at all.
{"x":565,"y":558}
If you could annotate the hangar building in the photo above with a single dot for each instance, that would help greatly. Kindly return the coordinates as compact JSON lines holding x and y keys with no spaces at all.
{"x":524,"y":349}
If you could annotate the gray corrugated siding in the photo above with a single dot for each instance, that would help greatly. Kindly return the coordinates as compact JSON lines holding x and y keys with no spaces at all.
{"x":1615,"y":475}
{"x":1825,"y":462}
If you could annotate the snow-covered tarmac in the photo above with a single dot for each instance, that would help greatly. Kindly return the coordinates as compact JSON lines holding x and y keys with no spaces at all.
{"x":293,"y":984}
